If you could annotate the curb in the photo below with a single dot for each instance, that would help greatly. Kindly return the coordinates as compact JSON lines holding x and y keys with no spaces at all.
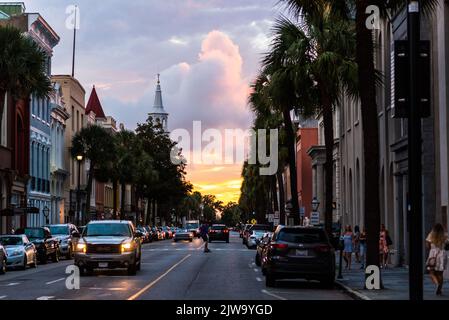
{"x":351,"y":292}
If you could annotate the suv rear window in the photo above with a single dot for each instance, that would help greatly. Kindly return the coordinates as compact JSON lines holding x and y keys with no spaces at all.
{"x":260,"y":227}
{"x":218,"y":227}
{"x":302,"y":235}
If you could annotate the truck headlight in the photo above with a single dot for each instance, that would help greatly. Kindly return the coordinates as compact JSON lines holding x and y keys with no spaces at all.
{"x":126,"y":247}
{"x":81,"y":247}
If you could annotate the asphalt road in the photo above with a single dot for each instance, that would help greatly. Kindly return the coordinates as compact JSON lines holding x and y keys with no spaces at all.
{"x":173,"y":271}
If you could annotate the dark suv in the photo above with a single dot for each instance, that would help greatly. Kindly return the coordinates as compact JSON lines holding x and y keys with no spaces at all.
{"x":46,"y":245}
{"x":299,"y":252}
{"x":109,"y":245}
{"x":219,"y":232}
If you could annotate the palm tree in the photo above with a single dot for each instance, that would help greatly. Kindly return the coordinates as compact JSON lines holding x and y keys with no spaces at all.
{"x":310,"y":66}
{"x":22,"y":68}
{"x":97,"y":145}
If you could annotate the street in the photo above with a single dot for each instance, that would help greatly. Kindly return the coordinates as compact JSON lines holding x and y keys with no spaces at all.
{"x":170,"y":271}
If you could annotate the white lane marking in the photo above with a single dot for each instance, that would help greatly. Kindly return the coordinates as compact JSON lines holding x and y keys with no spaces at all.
{"x":2,"y":297}
{"x":138,"y":294}
{"x":256,"y":270}
{"x":259,"y":279}
{"x":273,"y":295}
{"x":54,"y":281}
{"x":12,"y":284}
{"x":108,"y":289}
{"x":45,"y":298}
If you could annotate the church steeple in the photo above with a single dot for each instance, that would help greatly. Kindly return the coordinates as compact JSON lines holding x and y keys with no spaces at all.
{"x":158,"y":112}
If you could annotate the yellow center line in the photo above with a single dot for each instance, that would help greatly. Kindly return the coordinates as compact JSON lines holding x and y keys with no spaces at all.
{"x":138,"y":294}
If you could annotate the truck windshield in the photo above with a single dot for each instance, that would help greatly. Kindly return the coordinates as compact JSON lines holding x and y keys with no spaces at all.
{"x":107,"y":229}
{"x":192,"y":225}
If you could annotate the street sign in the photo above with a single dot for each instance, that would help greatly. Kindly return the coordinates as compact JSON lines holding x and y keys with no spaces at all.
{"x":271,"y":218}
{"x":253,"y":221}
{"x":276,"y":222}
{"x":277,"y":215}
{"x":315,"y":218}
{"x":302,"y":211}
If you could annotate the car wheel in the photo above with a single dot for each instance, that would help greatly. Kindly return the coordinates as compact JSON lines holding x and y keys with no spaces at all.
{"x":69,"y":255}
{"x":132,"y":269}
{"x":55,"y":256}
{"x":25,"y":262}
{"x":270,"y":280}
{"x":175,"y":240}
{"x":328,"y":282}
{"x":257,"y":260}
{"x":3,"y":266}
{"x":43,"y":259}
{"x":139,"y":265}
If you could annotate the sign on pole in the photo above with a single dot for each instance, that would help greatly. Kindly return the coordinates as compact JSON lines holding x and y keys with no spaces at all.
{"x":315,"y":218}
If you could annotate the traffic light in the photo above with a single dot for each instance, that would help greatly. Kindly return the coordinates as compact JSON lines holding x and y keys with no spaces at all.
{"x":402,"y":75}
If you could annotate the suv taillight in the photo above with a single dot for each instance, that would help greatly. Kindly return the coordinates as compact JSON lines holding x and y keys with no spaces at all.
{"x":279,"y":246}
{"x":323,"y":248}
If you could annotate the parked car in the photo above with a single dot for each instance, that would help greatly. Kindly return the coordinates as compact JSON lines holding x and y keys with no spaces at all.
{"x":299,"y":252}
{"x":183,"y":234}
{"x":218,"y":232}
{"x":68,"y":236}
{"x":255,"y":227}
{"x":109,"y":244}
{"x":3,"y":260}
{"x":47,"y":246}
{"x":145,"y":234}
{"x":243,"y":228}
{"x":150,"y":233}
{"x":254,"y":237}
{"x":161,"y":234}
{"x":155,"y":233}
{"x":20,"y":251}
{"x":244,"y":232}
{"x":261,"y":244}
{"x":168,"y":232}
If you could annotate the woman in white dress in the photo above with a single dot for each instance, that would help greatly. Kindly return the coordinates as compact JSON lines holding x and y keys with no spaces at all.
{"x":437,"y":260}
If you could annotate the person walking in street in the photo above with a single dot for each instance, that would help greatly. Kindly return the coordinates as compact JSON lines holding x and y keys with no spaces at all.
{"x":357,"y":243}
{"x":348,"y":246}
{"x":362,"y":242}
{"x":204,"y":233}
{"x":383,"y":247}
{"x":437,"y":261}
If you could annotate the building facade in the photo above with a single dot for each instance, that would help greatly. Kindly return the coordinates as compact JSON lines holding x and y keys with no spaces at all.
{"x":58,"y":171}
{"x":73,"y":95}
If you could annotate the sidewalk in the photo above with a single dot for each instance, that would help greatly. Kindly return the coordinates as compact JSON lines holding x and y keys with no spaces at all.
{"x":395,"y":281}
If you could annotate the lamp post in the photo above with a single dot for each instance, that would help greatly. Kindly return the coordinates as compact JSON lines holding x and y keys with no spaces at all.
{"x":79,"y":159}
{"x":46,"y":212}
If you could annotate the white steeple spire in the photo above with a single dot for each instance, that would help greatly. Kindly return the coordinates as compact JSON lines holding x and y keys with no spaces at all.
{"x":158,"y":112}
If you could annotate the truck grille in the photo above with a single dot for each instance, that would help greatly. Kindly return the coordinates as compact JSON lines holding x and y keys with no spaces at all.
{"x":103,"y":248}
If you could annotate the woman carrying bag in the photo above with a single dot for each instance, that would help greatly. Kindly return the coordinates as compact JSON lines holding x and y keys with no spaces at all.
{"x":437,"y":261}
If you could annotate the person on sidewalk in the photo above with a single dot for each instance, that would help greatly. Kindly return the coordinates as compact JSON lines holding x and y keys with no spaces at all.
{"x":348,"y":246}
{"x":204,"y":233}
{"x":383,"y":247}
{"x":357,"y":243}
{"x":437,"y":260}
{"x":362,"y":242}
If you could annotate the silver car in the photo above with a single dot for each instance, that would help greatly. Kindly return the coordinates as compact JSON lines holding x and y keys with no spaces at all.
{"x":68,"y":237}
{"x":20,"y":251}
{"x":183,"y":234}
{"x":254,"y":238}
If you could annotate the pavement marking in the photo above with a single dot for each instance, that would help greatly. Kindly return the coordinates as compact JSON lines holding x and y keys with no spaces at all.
{"x":138,"y":294}
{"x":2,"y":297}
{"x":256,"y":270}
{"x":259,"y":279}
{"x":273,"y":295}
{"x":12,"y":284}
{"x":45,"y":298}
{"x":108,"y":289}
{"x":54,"y":281}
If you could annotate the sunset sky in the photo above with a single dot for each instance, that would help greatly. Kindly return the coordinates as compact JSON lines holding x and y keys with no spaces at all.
{"x":207,"y":52}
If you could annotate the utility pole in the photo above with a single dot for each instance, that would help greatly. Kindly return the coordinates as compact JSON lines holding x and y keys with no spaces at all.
{"x":414,"y":158}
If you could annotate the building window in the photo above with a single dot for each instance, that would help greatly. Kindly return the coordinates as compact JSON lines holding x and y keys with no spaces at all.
{"x":77,"y":121}
{"x":73,"y":118}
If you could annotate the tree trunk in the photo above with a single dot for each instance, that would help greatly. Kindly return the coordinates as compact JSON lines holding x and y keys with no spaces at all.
{"x":281,"y":197}
{"x":328,"y":166}
{"x":291,"y":142}
{"x":90,"y":177}
{"x":365,"y":61}
{"x":114,"y":197}
{"x":148,"y":213}
{"x":122,"y":204}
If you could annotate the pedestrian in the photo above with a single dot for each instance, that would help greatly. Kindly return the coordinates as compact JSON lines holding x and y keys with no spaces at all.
{"x":357,"y":243}
{"x":362,"y":242}
{"x":204,"y":233}
{"x":437,"y":261}
{"x":383,"y":246}
{"x":348,"y":246}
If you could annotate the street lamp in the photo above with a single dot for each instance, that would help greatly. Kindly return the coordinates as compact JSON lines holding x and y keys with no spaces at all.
{"x":79,"y":159}
{"x":46,"y":214}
